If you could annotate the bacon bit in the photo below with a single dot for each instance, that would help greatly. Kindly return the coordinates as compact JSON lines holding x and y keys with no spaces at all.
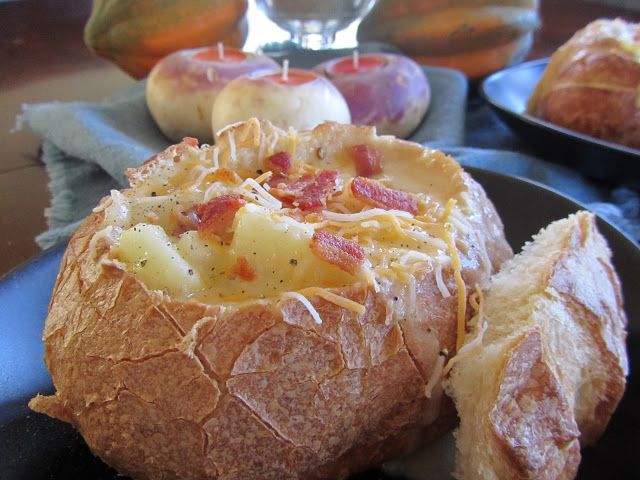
{"x":307,"y":192}
{"x":279,"y":162}
{"x":376,"y":194}
{"x":367,"y":159}
{"x":183,"y":220}
{"x":191,"y":141}
{"x":317,"y":193}
{"x":345,"y":254}
{"x":216,"y":216}
{"x":242,"y":269}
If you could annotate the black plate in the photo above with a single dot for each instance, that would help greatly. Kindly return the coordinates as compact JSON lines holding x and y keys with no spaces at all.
{"x":507,"y":92}
{"x":33,"y":446}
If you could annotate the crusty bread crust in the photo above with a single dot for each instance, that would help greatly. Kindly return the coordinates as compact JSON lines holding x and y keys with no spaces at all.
{"x":167,"y":387}
{"x":553,"y":364}
{"x":591,"y":83}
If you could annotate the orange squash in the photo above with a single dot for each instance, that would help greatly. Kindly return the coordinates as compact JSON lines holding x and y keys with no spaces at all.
{"x":476,"y":37}
{"x":135,"y":35}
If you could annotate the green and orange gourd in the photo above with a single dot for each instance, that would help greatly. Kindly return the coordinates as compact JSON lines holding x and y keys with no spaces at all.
{"x":136,"y":35}
{"x":476,"y":37}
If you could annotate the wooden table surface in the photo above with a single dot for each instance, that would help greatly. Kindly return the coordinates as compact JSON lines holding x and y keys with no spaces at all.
{"x":43,"y":58}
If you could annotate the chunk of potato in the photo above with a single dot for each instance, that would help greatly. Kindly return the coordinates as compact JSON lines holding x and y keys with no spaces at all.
{"x":278,"y":249}
{"x":153,"y":257}
{"x":207,"y":256}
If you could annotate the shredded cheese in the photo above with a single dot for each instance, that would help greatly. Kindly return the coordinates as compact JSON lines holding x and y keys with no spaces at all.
{"x":459,"y":224}
{"x":307,"y":304}
{"x":118,"y":208}
{"x":216,"y":154}
{"x":293,"y":141}
{"x":103,"y":205}
{"x":214,"y":190}
{"x":333,"y":298}
{"x":440,"y":282}
{"x":474,"y":346}
{"x":232,"y":146}
{"x":365,"y":215}
{"x":204,"y":152}
{"x":451,"y":203}
{"x":462,"y":289}
{"x":203,"y":174}
{"x":436,"y":375}
{"x":371,"y":280}
{"x":263,"y":178}
{"x":104,"y":234}
{"x":370,"y":224}
{"x":252,"y":125}
{"x":412,"y":291}
{"x":229,"y":127}
{"x":436,"y":242}
{"x":468,"y":350}
{"x":271,"y":142}
{"x":262,"y":197}
{"x":411,"y":256}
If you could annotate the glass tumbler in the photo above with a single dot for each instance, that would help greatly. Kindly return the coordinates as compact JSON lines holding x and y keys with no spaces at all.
{"x":313,"y":24}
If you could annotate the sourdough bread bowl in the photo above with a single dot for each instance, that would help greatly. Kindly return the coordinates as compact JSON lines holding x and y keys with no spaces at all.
{"x":592,"y":83}
{"x":278,"y":305}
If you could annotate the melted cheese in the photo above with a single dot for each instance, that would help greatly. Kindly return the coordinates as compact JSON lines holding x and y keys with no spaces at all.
{"x":397,"y":244}
{"x":462,"y":289}
{"x":474,"y":346}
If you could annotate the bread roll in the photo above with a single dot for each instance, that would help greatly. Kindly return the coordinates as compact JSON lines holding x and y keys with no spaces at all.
{"x":552,"y":366}
{"x":592,"y":84}
{"x":274,"y":306}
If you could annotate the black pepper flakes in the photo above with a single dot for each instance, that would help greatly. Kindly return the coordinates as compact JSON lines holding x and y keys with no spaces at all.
{"x":293,"y":262}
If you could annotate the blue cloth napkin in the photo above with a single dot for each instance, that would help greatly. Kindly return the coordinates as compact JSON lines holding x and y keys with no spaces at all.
{"x":87,"y":147}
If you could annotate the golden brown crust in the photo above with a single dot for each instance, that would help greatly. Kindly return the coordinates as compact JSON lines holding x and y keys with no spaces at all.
{"x":532,"y":420}
{"x":592,"y":84}
{"x":553,"y":364}
{"x":597,"y":305}
{"x":165,"y":387}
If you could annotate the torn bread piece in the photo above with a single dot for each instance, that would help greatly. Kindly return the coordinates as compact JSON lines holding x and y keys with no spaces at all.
{"x":553,"y":364}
